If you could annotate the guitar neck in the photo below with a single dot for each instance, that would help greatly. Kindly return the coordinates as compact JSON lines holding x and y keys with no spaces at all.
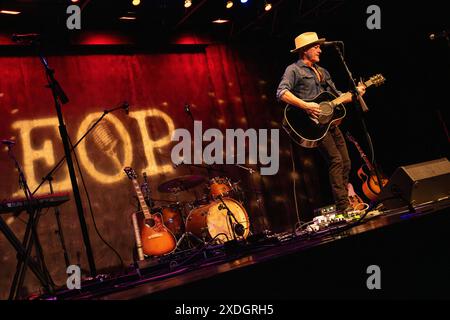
{"x":347,"y":96}
{"x":141,"y":199}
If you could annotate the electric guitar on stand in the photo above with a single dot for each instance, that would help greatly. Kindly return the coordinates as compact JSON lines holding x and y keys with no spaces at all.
{"x":155,"y":238}
{"x":307,"y":131}
{"x":367,"y":174}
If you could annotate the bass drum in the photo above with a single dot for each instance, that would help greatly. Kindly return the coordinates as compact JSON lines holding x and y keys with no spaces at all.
{"x":211,"y":221}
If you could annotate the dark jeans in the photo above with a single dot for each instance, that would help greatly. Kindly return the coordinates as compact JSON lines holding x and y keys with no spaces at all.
{"x":335,"y":152}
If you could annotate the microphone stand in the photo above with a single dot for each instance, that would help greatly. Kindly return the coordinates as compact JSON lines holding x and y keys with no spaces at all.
{"x":238,"y":228}
{"x":58,"y":224}
{"x":49,"y":177}
{"x":59,"y":98}
{"x":187,"y":109}
{"x":359,"y":99}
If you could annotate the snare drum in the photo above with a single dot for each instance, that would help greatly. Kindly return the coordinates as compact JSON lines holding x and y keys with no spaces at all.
{"x":220,"y":186}
{"x":208,"y":221}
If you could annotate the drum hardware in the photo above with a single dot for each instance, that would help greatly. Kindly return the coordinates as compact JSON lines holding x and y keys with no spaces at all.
{"x":209,"y":221}
{"x":250,"y":170}
{"x":186,"y":236}
{"x":237,"y":229}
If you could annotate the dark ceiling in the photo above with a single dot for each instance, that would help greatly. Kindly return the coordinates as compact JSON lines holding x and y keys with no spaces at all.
{"x":160,"y":17}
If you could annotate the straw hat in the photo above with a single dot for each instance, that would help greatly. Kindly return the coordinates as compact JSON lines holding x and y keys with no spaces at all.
{"x":306,"y":39}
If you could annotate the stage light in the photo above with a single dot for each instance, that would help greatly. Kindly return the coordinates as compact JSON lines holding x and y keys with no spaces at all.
{"x":229,"y":4}
{"x":9,"y":12}
{"x":187,"y":3}
{"x":268,"y":6}
{"x":136,"y":2}
{"x":244,"y":1}
{"x":219,"y":21}
{"x":74,"y":1}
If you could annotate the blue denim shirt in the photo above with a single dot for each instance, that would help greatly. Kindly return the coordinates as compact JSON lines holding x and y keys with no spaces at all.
{"x":302,"y":81}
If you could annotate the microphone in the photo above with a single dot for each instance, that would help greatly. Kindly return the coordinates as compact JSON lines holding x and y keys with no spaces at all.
{"x":27,"y":37}
{"x":187,"y":108}
{"x":331,"y":43}
{"x":442,"y":34}
{"x":8,"y":142}
{"x":126,"y":107}
{"x":239,"y":229}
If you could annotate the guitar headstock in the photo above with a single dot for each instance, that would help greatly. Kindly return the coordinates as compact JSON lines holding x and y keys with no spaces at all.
{"x":376,"y":80}
{"x":130,"y":173}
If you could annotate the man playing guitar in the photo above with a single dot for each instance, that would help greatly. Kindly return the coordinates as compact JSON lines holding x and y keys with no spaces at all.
{"x":304,"y":80}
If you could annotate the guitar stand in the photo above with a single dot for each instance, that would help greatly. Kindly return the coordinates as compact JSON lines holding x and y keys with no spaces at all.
{"x":186,"y":236}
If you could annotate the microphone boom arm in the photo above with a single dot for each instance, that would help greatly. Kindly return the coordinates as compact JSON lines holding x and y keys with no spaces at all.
{"x":73,"y":147}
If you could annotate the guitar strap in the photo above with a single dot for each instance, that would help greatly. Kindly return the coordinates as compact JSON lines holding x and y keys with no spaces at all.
{"x":324,"y":80}
{"x":331,"y":86}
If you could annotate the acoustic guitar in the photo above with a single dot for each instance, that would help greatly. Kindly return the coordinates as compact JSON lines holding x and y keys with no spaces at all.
{"x":156,"y":239}
{"x":366,"y":173}
{"x":308,"y":131}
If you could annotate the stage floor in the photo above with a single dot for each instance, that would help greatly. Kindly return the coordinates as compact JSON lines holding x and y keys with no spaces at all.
{"x":410,"y":250}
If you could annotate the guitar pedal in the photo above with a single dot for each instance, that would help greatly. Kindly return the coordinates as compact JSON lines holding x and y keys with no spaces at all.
{"x":325,"y":210}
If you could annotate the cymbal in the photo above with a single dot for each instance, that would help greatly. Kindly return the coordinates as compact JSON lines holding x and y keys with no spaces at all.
{"x":208,"y":167}
{"x":182,"y":183}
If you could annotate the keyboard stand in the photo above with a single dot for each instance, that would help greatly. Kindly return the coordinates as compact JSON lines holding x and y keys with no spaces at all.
{"x":23,"y":257}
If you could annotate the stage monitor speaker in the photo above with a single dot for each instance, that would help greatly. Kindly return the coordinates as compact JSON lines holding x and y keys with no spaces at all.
{"x":417,"y":183}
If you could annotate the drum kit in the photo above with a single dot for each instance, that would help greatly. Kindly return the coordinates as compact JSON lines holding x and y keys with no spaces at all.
{"x":219,"y":215}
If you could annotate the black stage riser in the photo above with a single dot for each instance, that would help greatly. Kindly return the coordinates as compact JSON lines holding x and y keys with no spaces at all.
{"x":413,"y":257}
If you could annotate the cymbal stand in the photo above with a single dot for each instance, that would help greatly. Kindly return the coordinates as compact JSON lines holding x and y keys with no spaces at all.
{"x":187,"y":234}
{"x":250,"y":170}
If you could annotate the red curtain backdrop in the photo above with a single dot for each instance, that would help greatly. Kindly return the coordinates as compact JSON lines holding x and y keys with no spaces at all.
{"x":225,"y":90}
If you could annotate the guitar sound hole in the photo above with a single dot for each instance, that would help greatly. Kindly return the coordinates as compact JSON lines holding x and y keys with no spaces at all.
{"x":326,"y":109}
{"x":150,"y":222}
{"x":326,"y":112}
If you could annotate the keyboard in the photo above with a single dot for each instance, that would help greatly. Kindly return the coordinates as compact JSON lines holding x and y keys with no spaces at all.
{"x":38,"y":202}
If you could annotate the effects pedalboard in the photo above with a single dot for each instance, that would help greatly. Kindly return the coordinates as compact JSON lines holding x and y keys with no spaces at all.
{"x":328,"y":217}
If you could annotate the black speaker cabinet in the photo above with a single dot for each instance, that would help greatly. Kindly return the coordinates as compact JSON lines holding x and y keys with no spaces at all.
{"x":417,"y":183}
